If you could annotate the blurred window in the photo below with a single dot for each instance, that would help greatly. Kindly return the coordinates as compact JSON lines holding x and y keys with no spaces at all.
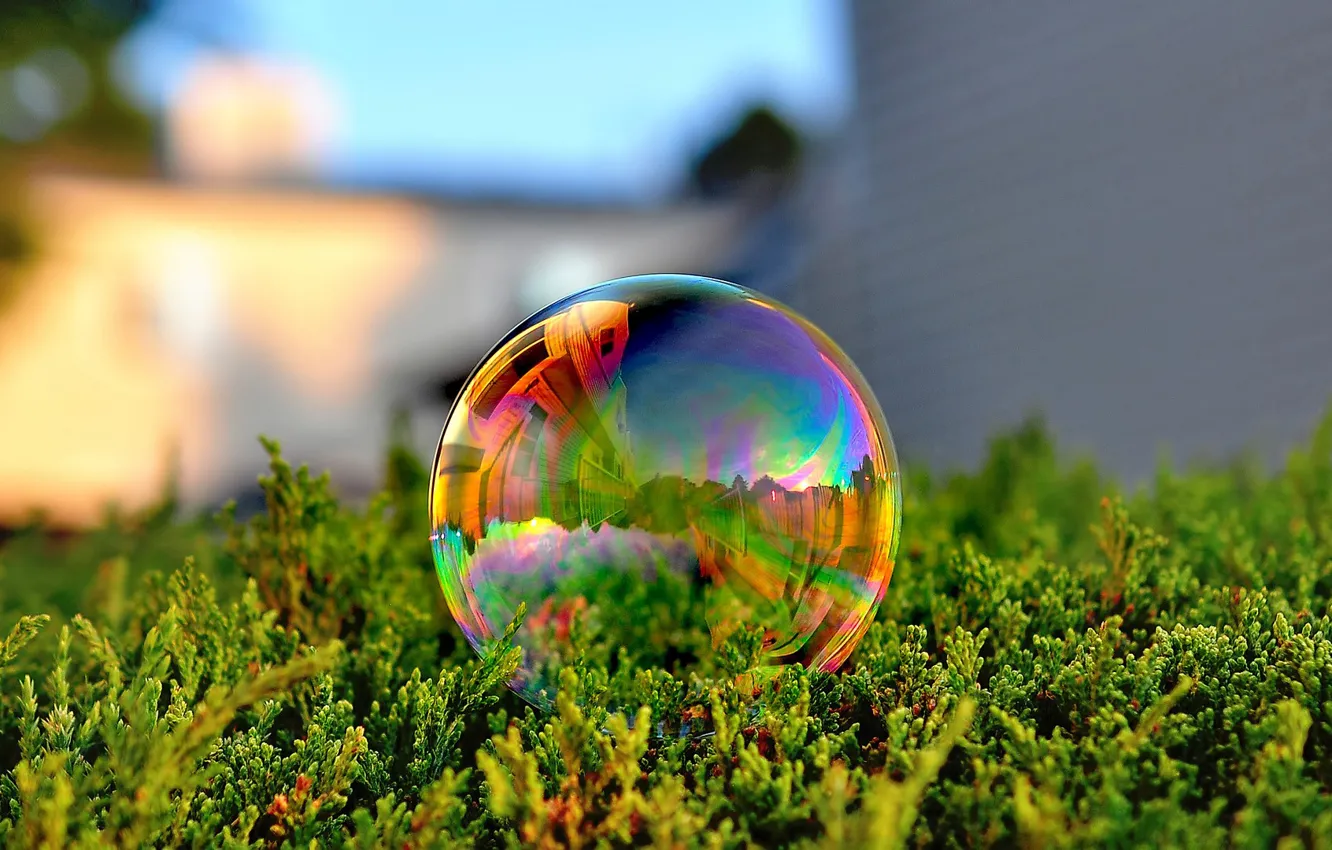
{"x":559,"y":272}
{"x":189,"y":307}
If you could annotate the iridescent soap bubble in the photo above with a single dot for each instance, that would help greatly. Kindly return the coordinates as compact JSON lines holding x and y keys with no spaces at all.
{"x":655,"y":463}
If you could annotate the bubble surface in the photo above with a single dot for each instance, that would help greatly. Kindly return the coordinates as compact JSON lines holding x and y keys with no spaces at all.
{"x":655,"y":463}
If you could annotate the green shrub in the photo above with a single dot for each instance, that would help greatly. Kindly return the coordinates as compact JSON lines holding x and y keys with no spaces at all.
{"x":1055,"y":665}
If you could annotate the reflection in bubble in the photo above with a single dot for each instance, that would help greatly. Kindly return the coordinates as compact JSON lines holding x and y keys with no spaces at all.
{"x":661,"y":460}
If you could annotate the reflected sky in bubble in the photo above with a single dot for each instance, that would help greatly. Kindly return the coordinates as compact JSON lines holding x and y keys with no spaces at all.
{"x":757,"y":396}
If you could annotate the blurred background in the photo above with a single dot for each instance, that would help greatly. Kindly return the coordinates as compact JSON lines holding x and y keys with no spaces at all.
{"x":221,"y":218}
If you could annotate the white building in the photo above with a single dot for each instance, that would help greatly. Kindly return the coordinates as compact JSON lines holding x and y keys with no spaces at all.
{"x":174,"y":320}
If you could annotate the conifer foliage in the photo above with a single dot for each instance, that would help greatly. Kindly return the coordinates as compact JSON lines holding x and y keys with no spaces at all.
{"x":1056,"y":664}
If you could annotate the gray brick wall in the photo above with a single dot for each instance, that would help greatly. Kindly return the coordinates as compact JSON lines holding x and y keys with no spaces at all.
{"x":1118,"y":213}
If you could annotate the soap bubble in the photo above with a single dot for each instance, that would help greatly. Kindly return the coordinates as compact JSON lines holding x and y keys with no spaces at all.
{"x":654,"y":464}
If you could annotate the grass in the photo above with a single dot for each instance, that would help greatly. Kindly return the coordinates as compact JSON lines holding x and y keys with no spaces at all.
{"x":1056,"y":664}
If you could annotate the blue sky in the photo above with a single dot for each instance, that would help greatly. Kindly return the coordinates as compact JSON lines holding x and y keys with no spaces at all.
{"x":608,"y":96}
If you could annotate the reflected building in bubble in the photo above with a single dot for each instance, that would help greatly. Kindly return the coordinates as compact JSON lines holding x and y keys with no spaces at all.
{"x":555,"y":410}
{"x":795,"y":551}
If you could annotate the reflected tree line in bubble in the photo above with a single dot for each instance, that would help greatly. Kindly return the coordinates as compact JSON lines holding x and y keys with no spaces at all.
{"x":547,"y":437}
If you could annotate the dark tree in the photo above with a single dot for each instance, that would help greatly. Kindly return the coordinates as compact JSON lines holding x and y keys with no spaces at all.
{"x":760,"y":147}
{"x":65,"y":51}
{"x":60,"y":104}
